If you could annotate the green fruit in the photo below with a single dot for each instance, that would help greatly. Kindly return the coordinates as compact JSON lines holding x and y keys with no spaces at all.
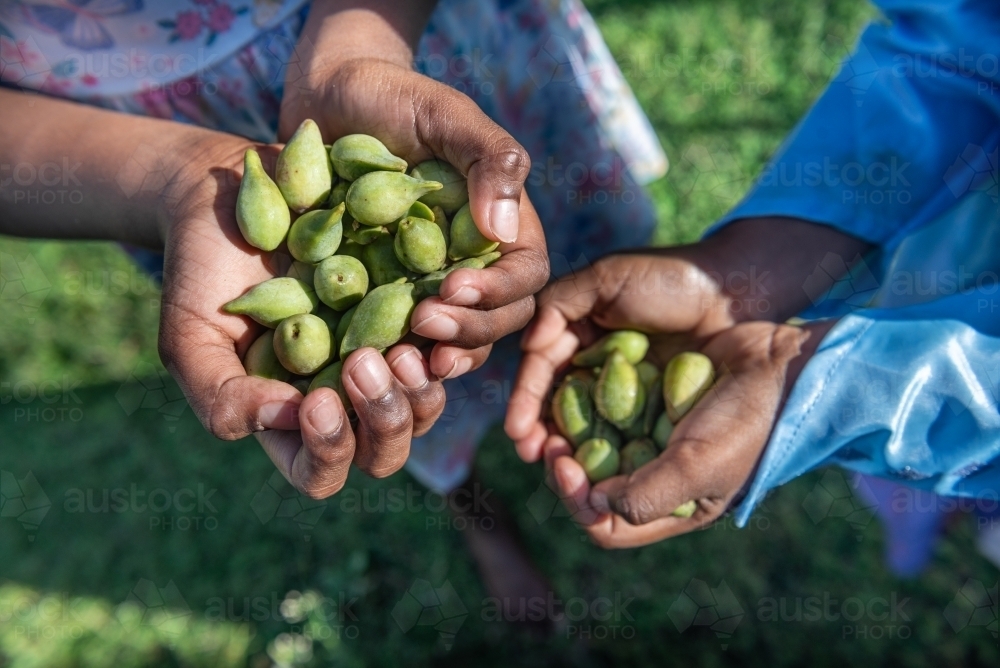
{"x":316,"y":235}
{"x":261,"y":211}
{"x":598,"y":458}
{"x":573,"y":410}
{"x":632,"y":344}
{"x":662,"y":430}
{"x":379,"y":258}
{"x":345,"y":322}
{"x":466,"y":239}
{"x":331,"y":377}
{"x":274,"y":300}
{"x":351,"y":249}
{"x":303,"y":344}
{"x":607,"y":431}
{"x":353,"y":156}
{"x":363,"y":234}
{"x":260,"y":360}
{"x":637,"y":454}
{"x":338,"y":193}
{"x":685,"y":380}
{"x":649,"y":376}
{"x":429,"y":285}
{"x":302,"y":270}
{"x":303,"y":171}
{"x":382,"y":318}
{"x":686,"y":509}
{"x":380,"y":198}
{"x":489,"y":258}
{"x":620,"y":396}
{"x":419,"y":245}
{"x":441,"y":220}
{"x":455,"y":192}
{"x":341,"y":282}
{"x":330,"y":317}
{"x":421,"y":210}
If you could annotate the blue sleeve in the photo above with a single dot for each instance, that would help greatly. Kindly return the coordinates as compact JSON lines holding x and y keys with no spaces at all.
{"x":910,"y":123}
{"x":908,"y":393}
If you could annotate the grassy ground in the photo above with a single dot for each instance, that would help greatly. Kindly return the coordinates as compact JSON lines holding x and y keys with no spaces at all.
{"x":200,"y":556}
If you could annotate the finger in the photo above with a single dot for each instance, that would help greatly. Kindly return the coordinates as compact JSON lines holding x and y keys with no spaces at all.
{"x":229,"y":403}
{"x":466,"y":327}
{"x":454,"y":127}
{"x":317,"y":459}
{"x":385,"y":420}
{"x":533,"y":385}
{"x":522,"y":270}
{"x":530,"y":448}
{"x":425,"y":393}
{"x":449,"y":361}
{"x":556,"y":446}
{"x":574,"y":490}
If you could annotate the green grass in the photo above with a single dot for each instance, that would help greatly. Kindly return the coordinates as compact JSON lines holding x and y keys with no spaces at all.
{"x":73,"y":578}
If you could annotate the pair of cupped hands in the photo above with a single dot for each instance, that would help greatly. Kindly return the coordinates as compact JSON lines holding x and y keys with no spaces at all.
{"x":675,"y":295}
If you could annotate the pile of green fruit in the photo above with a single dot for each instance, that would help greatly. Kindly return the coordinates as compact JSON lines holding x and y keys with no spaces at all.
{"x":618,"y":409}
{"x":368,"y":240}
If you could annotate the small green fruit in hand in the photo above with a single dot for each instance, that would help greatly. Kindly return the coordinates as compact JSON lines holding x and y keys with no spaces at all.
{"x":441,"y":220}
{"x":420,"y":210}
{"x":662,"y":431}
{"x":455,"y":192}
{"x":382,"y":318}
{"x":620,"y":396}
{"x":419,"y":245}
{"x":685,"y":380}
{"x":330,"y":317}
{"x":488,"y":258}
{"x":363,"y":234}
{"x":607,"y":431}
{"x":302,"y":270}
{"x":466,"y":239}
{"x":303,"y":172}
{"x":573,"y":410}
{"x":261,"y":211}
{"x":353,"y":156}
{"x":345,"y":322}
{"x":331,"y":377}
{"x":381,"y":198}
{"x":260,"y":360}
{"x":598,"y":458}
{"x":338,"y":193}
{"x":686,"y":509}
{"x":341,"y":282}
{"x":636,"y":454}
{"x":303,"y":344}
{"x":274,"y":300}
{"x":633,"y":345}
{"x":379,"y":258}
{"x":649,"y":376}
{"x":316,"y":235}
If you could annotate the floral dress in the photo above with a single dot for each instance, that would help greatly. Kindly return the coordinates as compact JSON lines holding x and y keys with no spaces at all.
{"x":539,"y":68}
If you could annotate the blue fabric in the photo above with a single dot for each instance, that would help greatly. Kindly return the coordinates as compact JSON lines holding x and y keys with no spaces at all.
{"x":900,"y":150}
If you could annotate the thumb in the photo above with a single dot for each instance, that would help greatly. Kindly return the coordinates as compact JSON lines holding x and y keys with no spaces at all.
{"x":453,"y":127}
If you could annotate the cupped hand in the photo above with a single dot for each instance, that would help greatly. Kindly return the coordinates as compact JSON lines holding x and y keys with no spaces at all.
{"x":670,"y":296}
{"x":418,"y":119}
{"x":712,"y":451}
{"x":310,"y":439}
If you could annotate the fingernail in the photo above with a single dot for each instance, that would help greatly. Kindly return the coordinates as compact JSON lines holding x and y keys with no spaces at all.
{"x":599,"y":501}
{"x":409,"y":369}
{"x":325,"y":417}
{"x":461,"y":366}
{"x":464,"y":296}
{"x":279,"y":415}
{"x":503,"y":220}
{"x":371,"y":376}
{"x":439,"y":327}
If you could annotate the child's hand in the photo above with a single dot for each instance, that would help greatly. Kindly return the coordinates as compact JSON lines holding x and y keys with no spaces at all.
{"x":310,"y":440}
{"x":353,"y":75}
{"x":712,"y":451}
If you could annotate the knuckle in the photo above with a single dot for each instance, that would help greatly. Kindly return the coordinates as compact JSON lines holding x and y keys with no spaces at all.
{"x":226,"y":426}
{"x":634,"y":507}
